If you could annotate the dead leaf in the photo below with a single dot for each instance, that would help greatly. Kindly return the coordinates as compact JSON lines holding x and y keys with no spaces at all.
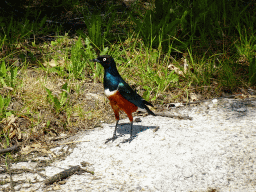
{"x":176,"y":69}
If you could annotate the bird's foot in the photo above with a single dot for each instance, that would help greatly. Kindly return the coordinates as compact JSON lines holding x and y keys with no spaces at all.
{"x":111,"y":139}
{"x":128,"y":140}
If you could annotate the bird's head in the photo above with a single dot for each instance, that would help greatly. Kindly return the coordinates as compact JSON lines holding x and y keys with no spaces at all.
{"x":105,"y":60}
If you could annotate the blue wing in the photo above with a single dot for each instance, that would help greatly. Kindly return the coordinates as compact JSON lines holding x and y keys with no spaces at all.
{"x":128,"y":93}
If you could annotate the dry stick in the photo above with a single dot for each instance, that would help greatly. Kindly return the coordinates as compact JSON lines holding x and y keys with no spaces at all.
{"x":72,"y":142}
{"x":9,"y":149}
{"x":62,"y":175}
{"x":163,"y":114}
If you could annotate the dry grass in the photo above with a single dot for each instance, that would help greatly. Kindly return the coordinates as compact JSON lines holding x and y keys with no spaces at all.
{"x":35,"y":117}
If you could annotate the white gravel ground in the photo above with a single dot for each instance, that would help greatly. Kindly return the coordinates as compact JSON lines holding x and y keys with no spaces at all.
{"x":214,"y":150}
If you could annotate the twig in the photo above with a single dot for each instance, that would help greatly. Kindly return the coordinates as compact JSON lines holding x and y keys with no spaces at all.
{"x":9,"y":149}
{"x":72,"y":142}
{"x":156,"y":129}
{"x":163,"y":114}
{"x":62,"y":175}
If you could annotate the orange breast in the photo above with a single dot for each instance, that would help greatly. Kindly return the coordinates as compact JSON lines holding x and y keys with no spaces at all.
{"x":118,"y":101}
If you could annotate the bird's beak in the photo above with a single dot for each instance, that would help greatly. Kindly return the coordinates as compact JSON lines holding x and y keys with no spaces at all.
{"x":95,"y":60}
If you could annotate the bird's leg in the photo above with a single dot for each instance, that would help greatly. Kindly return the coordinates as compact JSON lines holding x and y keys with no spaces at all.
{"x":114,"y":135}
{"x":131,"y":137}
{"x":131,"y":129}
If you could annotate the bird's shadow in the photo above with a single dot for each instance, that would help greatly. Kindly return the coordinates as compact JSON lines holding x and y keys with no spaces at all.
{"x":125,"y":128}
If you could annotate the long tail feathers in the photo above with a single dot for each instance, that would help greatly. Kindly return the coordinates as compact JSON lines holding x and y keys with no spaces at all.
{"x":149,"y":111}
{"x":147,"y":103}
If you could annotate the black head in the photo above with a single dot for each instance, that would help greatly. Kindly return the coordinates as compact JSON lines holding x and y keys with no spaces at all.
{"x":105,"y":60}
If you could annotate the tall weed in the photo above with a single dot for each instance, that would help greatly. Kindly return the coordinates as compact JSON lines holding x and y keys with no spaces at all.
{"x":8,"y":75}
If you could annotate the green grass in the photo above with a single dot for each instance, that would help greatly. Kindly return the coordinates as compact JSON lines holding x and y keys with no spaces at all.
{"x":165,"y":50}
{"x":4,"y":103}
{"x":61,"y":103}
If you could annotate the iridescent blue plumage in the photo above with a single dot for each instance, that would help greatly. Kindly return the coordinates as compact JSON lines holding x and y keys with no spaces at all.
{"x":113,"y":81}
{"x":120,"y":94}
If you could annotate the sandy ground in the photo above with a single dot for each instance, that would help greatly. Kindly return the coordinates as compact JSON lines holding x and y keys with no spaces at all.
{"x":215,"y":151}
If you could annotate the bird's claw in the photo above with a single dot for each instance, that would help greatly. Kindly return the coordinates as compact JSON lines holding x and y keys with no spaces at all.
{"x":127,"y":140}
{"x":111,"y":139}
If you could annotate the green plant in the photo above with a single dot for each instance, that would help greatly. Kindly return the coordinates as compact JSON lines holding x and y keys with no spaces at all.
{"x":96,"y":70}
{"x":59,"y":104}
{"x":48,"y":123}
{"x":252,"y":71}
{"x":78,"y":57}
{"x":95,"y":30}
{"x":4,"y":103}
{"x":82,"y":60}
{"x":2,"y":40}
{"x":98,"y":27}
{"x":158,"y":25}
{"x":246,"y":48}
{"x":15,"y":31}
{"x":161,"y":83}
{"x":8,"y":78}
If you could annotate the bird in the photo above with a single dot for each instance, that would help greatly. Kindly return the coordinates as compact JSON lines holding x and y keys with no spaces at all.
{"x":121,"y":96}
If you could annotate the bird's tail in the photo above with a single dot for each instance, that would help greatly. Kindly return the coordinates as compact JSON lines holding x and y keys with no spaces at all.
{"x":149,"y":111}
{"x":147,"y":103}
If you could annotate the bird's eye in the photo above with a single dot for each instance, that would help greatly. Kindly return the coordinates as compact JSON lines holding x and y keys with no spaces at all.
{"x":104,"y":59}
